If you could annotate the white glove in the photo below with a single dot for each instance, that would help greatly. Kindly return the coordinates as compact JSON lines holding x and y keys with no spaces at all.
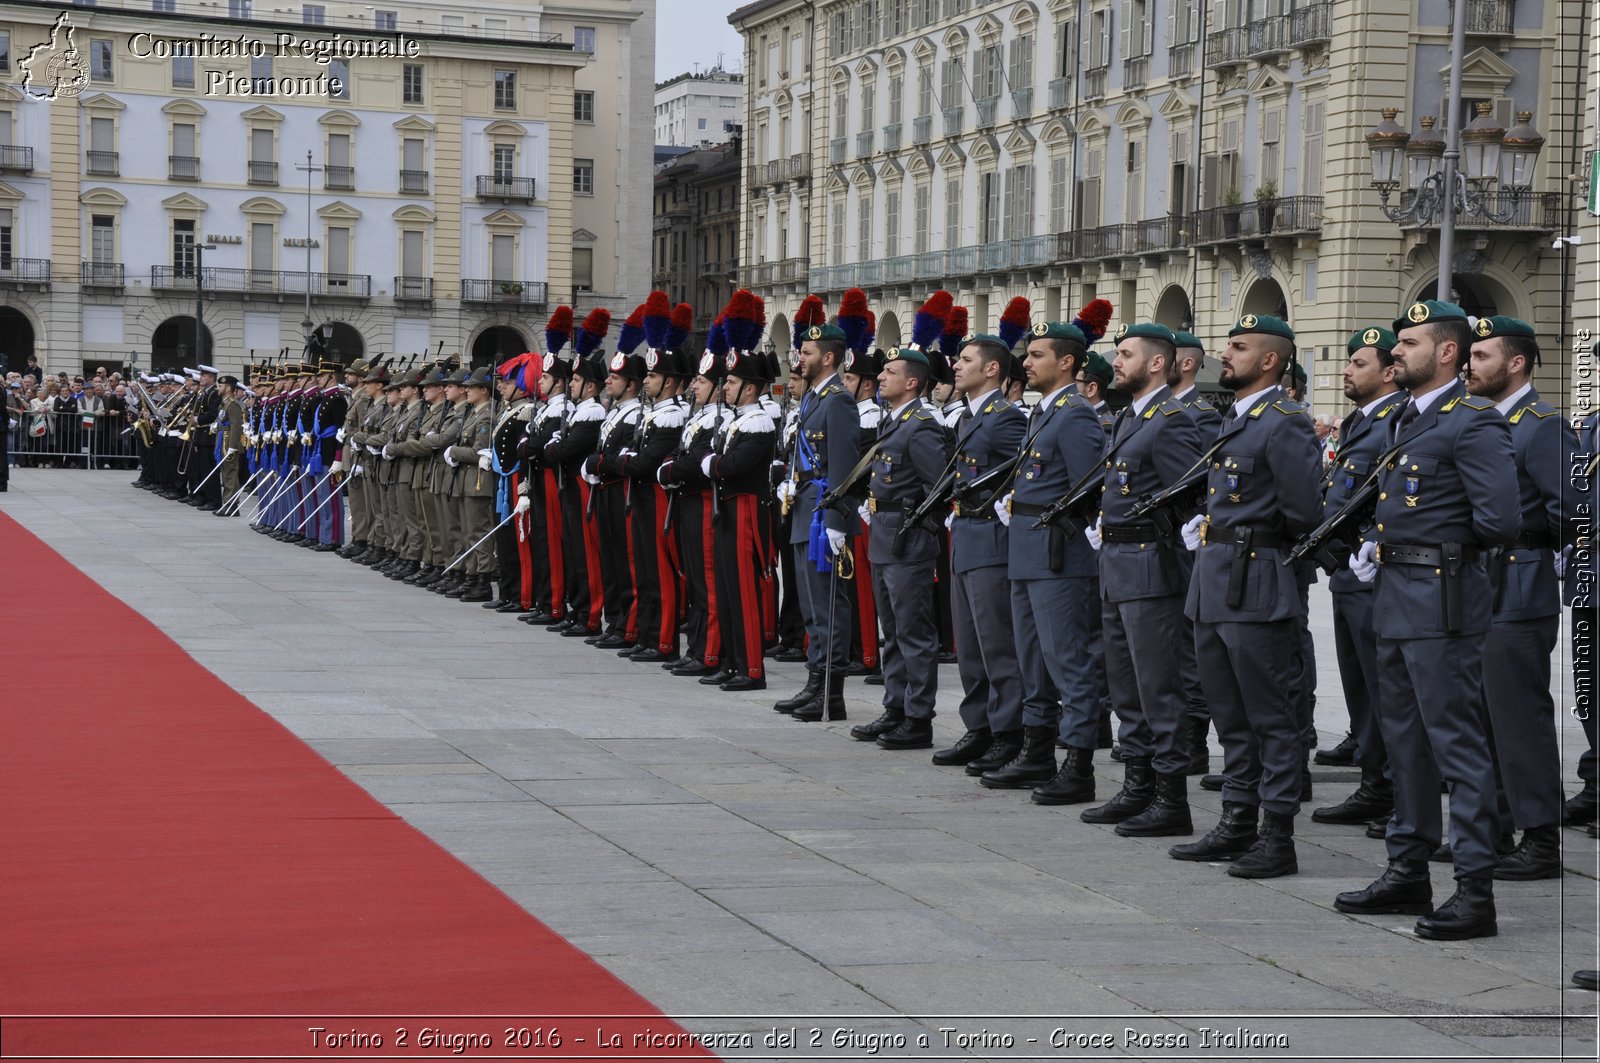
{"x":836,"y":540}
{"x":337,"y":466}
{"x":949,"y":519}
{"x":372,"y":450}
{"x":277,"y":437}
{"x":523,"y":505}
{"x":388,"y":450}
{"x":449,"y":459}
{"x":591,"y":478}
{"x":705,"y":470}
{"x":305,"y":439}
{"x":230,"y":452}
{"x":1561,"y":558}
{"x":864,"y":513}
{"x":484,"y":463}
{"x":1191,"y":532}
{"x":1364,"y":562}
{"x":1002,"y":509}
{"x":1093,"y":534}
{"x":484,"y":453}
{"x":786,"y":491}
{"x":555,"y":437}
{"x":661,"y":471}
{"x":357,"y":471}
{"x":627,"y":452}
{"x":339,"y":435}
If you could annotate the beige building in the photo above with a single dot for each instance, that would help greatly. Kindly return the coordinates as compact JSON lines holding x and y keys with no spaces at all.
{"x":1189,"y":162}
{"x":384,"y":181}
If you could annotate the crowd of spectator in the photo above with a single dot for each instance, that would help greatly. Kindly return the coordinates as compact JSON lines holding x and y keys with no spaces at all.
{"x":57,"y":420}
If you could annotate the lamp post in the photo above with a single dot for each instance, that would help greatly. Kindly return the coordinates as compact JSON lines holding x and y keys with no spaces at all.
{"x":199,"y":303}
{"x":306,"y":323}
{"x":1454,"y":176}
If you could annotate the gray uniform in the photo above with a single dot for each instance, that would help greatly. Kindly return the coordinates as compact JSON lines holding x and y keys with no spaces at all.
{"x":1262,"y":493}
{"x":1209,"y":421}
{"x":908,"y":462}
{"x":1451,"y":493}
{"x":1143,"y":582}
{"x":827,"y":447}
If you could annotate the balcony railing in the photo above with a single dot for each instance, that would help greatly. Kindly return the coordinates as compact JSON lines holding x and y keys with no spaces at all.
{"x":952,"y":121}
{"x":1314,"y":24}
{"x":995,"y":256}
{"x":788,"y":270}
{"x":14,"y":158}
{"x":339,"y":178}
{"x":777,"y":170}
{"x":226,"y":281}
{"x":103,"y":164}
{"x":1134,"y":72}
{"x":29,"y":271}
{"x":1262,"y":39}
{"x":922,"y":129}
{"x":414,"y":182}
{"x":1094,"y":83}
{"x":1021,"y":104}
{"x":101,"y":275}
{"x":1540,"y":211}
{"x":262,"y":173}
{"x":900,"y":269}
{"x":891,"y":137}
{"x":987,"y":109}
{"x":413,"y":289}
{"x":183,"y":167}
{"x":1488,"y":18}
{"x":522,"y":293}
{"x":930,"y":265}
{"x":1256,"y":220}
{"x":1060,"y":93}
{"x":836,"y":151}
{"x":1180,"y":61}
{"x":799,"y":166}
{"x":755,"y":175}
{"x":493,"y":186}
{"x":869,"y":274}
{"x":962,"y":261}
{"x":863,"y":143}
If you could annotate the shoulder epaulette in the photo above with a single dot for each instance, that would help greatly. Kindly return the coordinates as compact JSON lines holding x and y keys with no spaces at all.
{"x":1259,"y":409}
{"x":920,"y":413}
{"x":523,"y":413}
{"x":595,"y":412}
{"x":1471,"y":402}
{"x":755,"y":421}
{"x":668,"y":416}
{"x":1200,"y":402}
{"x":1285,"y":406}
{"x":1168,"y":407}
{"x":1539,"y":408}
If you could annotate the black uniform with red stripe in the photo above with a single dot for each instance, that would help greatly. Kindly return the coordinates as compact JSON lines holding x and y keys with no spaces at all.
{"x":739,"y":466}
{"x":693,"y":524}
{"x":574,"y":442}
{"x":544,"y":518}
{"x":604,"y":472}
{"x":655,"y":564}
{"x":512,"y":556}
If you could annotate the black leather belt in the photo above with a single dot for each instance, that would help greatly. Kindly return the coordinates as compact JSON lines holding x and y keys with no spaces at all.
{"x":1431,"y":556}
{"x":1533,"y":541}
{"x":1141,"y":532}
{"x":1243,"y":535}
{"x":804,"y":477}
{"x":1026,"y":509}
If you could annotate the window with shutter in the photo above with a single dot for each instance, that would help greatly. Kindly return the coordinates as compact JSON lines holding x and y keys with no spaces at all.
{"x":102,"y":134}
{"x":891,"y":224}
{"x":103,"y":239}
{"x":952,"y":212}
{"x":924,"y":90}
{"x":261,"y":246}
{"x":988,"y":207}
{"x":836,"y":233}
{"x":864,"y":225}
{"x":1058,"y":194}
{"x":869,"y":103}
{"x":502,"y":258}
{"x":1126,"y":42}
{"x":1066,"y":49}
{"x":921,"y":216}
{"x":1134,"y":201}
{"x":897,"y":92}
{"x":183,"y":141}
{"x":1312,"y":163}
{"x":841,"y":113}
{"x":411,"y":264}
{"x":338,"y":257}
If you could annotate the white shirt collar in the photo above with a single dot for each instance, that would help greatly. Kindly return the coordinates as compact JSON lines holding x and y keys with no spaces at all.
{"x":896,"y":411}
{"x":1180,"y":394}
{"x":1512,"y":399}
{"x":825,"y":381}
{"x":1048,"y":399}
{"x":1240,"y":406}
{"x":1366,"y":411}
{"x":1141,"y":404}
{"x":974,"y":404}
{"x":1423,"y":401}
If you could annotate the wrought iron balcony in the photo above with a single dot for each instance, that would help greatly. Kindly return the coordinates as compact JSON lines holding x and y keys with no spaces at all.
{"x":505,"y":189}
{"x":1257,"y":220}
{"x":777,"y":170}
{"x":262,"y":173}
{"x":755,"y":176}
{"x":14,"y":158}
{"x":952,"y":121}
{"x":25,"y":272}
{"x":1313,"y":24}
{"x":1060,"y":94}
{"x":246,"y":282}
{"x":788,"y":270}
{"x":1534,"y":211}
{"x":922,"y":129}
{"x":891,"y":137}
{"x":183,"y":167}
{"x":1180,"y":61}
{"x":103,"y":164}
{"x":521,"y":293}
{"x":901,"y":268}
{"x":836,"y":151}
{"x":339,"y":178}
{"x":413,"y":289}
{"x":1134,"y":72}
{"x":1488,"y":18}
{"x":1021,"y":104}
{"x":1265,"y":38}
{"x":987,"y":109}
{"x":107,"y":275}
{"x":414,"y":182}
{"x":863,"y":143}
{"x":1094,"y":83}
{"x":930,"y":265}
{"x":799,"y":166}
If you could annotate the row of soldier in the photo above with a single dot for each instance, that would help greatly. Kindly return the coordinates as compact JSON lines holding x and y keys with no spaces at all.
{"x":1156,"y":561}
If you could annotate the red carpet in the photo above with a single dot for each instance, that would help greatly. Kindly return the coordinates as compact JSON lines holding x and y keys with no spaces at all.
{"x":168,"y":849}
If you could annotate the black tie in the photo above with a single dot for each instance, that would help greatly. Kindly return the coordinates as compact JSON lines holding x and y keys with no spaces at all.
{"x":1229,"y":417}
{"x":1345,"y":428}
{"x":963,"y":420}
{"x":1407,"y":415}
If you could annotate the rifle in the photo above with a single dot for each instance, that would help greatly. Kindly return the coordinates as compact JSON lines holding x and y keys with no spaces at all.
{"x":1328,"y":543}
{"x":1074,"y":506}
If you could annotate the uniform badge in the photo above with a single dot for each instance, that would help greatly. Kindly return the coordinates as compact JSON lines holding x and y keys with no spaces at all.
{"x":1484,"y":326}
{"x":894,"y":352}
{"x":732,"y":360}
{"x":1248,"y":321}
{"x":1122,"y":331}
{"x":1122,"y":479}
{"x":650,"y":360}
{"x":1417,"y":314}
{"x":618,"y":360}
{"x":849,"y":362}
{"x":1413,"y":490}
{"x":707,"y":360}
{"x":1371,"y":337}
{"x":1041,"y":328}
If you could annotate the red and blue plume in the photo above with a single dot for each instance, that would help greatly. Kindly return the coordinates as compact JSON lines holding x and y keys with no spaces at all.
{"x":1014,"y":321}
{"x":954,"y":331}
{"x":1094,"y":319}
{"x":632,"y":331}
{"x":682,"y":325}
{"x":745,"y":320}
{"x":930,"y":319}
{"x":558,"y":332}
{"x":717,"y":337}
{"x":524,"y":371}
{"x":852,"y":320}
{"x":592,"y":333}
{"x":657,"y":320}
{"x":811,"y":312}
{"x":872,"y":328}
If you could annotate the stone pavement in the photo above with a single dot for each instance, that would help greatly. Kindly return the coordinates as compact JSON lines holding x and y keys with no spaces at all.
{"x":750,"y":873}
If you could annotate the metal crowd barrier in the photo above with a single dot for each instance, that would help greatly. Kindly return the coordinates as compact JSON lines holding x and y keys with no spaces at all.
{"x":72,"y":440}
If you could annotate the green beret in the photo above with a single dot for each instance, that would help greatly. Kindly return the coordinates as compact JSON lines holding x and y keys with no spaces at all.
{"x":1265,"y":324}
{"x":1427,"y":312}
{"x":1488,"y":328}
{"x":1187,"y":339}
{"x":1297,"y":372}
{"x":1147,"y":330}
{"x":824,"y":332}
{"x":985,"y":337}
{"x":906,"y":354}
{"x":1059,"y":330}
{"x":1095,"y":367}
{"x":1371,"y":336}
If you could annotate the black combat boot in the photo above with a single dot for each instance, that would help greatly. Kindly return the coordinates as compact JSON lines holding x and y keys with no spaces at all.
{"x":1199,"y":751}
{"x":1582,"y":806}
{"x":1233,"y":835}
{"x":477,"y":590}
{"x":1402,"y":889}
{"x":1305,"y":781}
{"x":1073,"y":784}
{"x":1373,"y":799}
{"x":1002,"y":751}
{"x":1469,"y":913}
{"x":913,"y":733}
{"x":812,"y":691}
{"x":1167,"y":816}
{"x":1272,"y":856}
{"x":892,"y":717}
{"x":1538,"y":856}
{"x":1341,"y":755}
{"x":968,"y":747}
{"x":1137,"y":794}
{"x":814,"y":710}
{"x":1034,"y":763}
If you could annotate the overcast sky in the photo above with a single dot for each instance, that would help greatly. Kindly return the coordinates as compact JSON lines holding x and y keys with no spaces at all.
{"x":695,"y":31}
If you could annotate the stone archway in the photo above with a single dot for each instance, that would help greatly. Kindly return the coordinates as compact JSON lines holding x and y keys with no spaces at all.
{"x":1476,"y":293}
{"x":780,"y":335}
{"x":342,"y":344}
{"x":888,"y":330}
{"x":172,"y":345}
{"x":1174,"y":310}
{"x":1265,"y":297}
{"x":16,"y":339}
{"x":497,"y":343}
